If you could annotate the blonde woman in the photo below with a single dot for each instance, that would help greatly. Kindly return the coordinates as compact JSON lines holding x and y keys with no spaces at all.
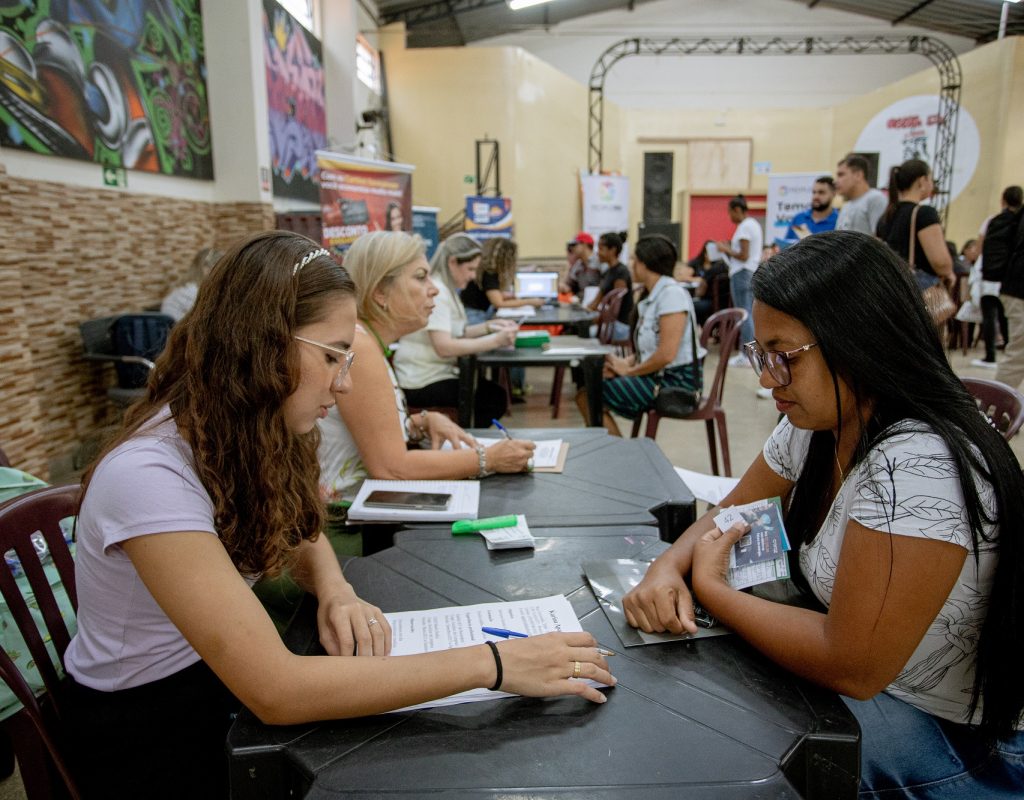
{"x":365,"y":433}
{"x":425,"y":360}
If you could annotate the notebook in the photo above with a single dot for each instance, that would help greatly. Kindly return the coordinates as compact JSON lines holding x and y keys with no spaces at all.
{"x":537,"y":284}
{"x":464,"y":504}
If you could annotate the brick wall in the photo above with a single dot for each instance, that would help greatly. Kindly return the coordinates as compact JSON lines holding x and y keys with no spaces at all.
{"x":68,"y":254}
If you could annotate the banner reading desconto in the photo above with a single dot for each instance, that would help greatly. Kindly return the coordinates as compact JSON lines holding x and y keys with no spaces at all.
{"x":358,"y":195}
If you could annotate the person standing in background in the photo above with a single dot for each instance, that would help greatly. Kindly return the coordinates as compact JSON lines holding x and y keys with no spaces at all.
{"x":742,"y":254}
{"x":864,"y":206}
{"x":996,"y":243}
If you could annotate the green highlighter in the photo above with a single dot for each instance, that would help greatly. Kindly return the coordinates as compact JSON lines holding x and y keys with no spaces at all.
{"x":464,"y":526}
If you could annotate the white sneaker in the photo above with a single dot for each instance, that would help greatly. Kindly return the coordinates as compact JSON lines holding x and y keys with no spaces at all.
{"x":980,"y":362}
{"x":764,"y":394}
{"x":739,"y":360}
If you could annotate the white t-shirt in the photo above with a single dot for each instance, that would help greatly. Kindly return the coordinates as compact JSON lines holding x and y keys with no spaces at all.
{"x":748,"y":230}
{"x":341,"y":467}
{"x":145,"y":486}
{"x":667,"y":297}
{"x":179,"y":301}
{"x":416,"y":362}
{"x":907,"y":485}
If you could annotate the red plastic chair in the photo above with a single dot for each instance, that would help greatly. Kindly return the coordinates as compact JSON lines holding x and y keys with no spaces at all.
{"x":1002,"y":404}
{"x":36,"y":730}
{"x":724,"y":326}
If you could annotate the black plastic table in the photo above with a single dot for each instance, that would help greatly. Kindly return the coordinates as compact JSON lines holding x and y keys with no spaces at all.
{"x":702,"y":719}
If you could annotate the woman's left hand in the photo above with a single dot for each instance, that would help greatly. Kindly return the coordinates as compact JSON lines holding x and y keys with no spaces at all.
{"x":618,"y":365}
{"x":441,"y":429}
{"x":349,"y":626}
{"x":711,"y":556}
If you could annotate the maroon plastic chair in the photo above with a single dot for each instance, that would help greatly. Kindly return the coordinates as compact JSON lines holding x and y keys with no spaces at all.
{"x":36,"y":730}
{"x":1002,"y":404}
{"x":724,"y":326}
{"x":607,"y":312}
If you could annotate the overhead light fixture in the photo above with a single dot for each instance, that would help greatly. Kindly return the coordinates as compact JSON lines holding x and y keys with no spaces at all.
{"x":515,"y":5}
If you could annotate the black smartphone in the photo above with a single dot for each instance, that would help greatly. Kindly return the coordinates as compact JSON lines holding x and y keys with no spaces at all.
{"x":420,"y":501}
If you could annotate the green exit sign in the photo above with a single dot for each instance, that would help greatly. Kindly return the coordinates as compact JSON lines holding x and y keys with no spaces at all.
{"x":115,"y":176}
{"x":468,"y":179}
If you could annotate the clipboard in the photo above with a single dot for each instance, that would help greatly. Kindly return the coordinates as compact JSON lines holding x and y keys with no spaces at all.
{"x":559,"y":466}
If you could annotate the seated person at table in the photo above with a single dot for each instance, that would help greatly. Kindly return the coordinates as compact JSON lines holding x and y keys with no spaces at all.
{"x":615,"y":275}
{"x":584,"y":268}
{"x":494,"y":285}
{"x":425,"y":361}
{"x":365,"y":432}
{"x":179,"y":301}
{"x":663,"y":333}
{"x":211,"y":483}
{"x":904,"y":509}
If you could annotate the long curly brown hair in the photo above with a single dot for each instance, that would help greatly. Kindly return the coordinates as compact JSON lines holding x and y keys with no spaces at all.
{"x":227,"y":370}
{"x":499,"y":256}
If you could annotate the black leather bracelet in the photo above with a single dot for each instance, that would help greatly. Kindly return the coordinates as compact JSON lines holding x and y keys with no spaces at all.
{"x":497,"y":665}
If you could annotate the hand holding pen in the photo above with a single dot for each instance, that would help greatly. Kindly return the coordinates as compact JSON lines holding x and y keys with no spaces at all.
{"x":518,"y":450}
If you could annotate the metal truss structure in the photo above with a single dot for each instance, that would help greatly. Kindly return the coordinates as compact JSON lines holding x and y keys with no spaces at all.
{"x":939,"y":53}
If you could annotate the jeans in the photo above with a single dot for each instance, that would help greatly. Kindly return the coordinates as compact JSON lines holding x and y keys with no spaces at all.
{"x":742,"y":297}
{"x":909,"y":754}
{"x":992,"y":314}
{"x":474,"y":316}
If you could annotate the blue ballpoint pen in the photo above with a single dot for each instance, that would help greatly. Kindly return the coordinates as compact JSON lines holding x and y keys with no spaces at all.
{"x":505,"y":634}
{"x":501,"y":428}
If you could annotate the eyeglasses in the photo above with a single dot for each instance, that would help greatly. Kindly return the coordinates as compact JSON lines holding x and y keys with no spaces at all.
{"x":346,"y":358}
{"x":775,"y":361}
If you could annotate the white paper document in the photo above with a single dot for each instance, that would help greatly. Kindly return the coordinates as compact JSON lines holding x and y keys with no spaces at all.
{"x":514,"y":313}
{"x":589,"y":295}
{"x":465,"y":502}
{"x":460,"y":626}
{"x":544,"y":457}
{"x":510,"y":538}
{"x":709,"y":488}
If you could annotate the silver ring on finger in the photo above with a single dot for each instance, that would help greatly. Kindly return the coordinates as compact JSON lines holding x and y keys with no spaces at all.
{"x":371,"y":621}
{"x":576,"y":667}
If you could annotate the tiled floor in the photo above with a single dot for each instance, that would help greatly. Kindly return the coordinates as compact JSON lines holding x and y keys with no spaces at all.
{"x":750,"y":421}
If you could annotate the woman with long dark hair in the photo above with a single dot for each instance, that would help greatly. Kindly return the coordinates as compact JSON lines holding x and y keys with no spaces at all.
{"x":904,"y":508}
{"x":910,"y":184}
{"x":211,"y":483}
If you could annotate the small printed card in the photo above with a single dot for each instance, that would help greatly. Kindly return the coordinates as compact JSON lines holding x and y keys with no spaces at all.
{"x":760,"y":554}
{"x":509,"y":538}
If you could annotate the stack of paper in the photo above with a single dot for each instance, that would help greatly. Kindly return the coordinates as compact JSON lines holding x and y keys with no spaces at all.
{"x":760,"y":554}
{"x":464,"y":504}
{"x":509,"y":538}
{"x":461,"y":626}
{"x":514,"y":313}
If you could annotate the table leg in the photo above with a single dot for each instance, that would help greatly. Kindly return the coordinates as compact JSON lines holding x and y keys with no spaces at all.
{"x":592,"y":367}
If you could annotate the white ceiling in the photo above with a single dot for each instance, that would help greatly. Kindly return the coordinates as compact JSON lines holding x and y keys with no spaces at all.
{"x":724,"y":82}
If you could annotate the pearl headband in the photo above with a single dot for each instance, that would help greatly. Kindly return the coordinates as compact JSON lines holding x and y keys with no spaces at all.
{"x":306,"y":259}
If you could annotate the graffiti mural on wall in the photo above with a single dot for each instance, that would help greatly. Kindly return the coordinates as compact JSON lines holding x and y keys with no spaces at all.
{"x":295,"y":89}
{"x":118,"y":82}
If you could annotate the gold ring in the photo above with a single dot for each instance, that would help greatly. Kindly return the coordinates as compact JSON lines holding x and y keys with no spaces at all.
{"x":371,"y":621}
{"x":576,"y":666}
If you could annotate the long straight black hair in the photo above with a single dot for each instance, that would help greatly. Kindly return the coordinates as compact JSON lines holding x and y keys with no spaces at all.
{"x":865,"y":312}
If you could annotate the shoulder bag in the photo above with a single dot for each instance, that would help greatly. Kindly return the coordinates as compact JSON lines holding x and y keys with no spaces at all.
{"x":936,"y":299}
{"x":678,"y":401}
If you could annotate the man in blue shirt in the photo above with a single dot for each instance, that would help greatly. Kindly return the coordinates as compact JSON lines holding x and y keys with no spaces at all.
{"x":819,"y":217}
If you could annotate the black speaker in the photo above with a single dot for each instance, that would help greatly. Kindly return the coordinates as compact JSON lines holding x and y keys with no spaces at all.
{"x":673,"y":230}
{"x":657,"y":187}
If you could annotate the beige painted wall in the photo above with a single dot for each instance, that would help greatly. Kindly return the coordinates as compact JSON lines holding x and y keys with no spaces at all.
{"x":442,"y":100}
{"x":993,"y":92}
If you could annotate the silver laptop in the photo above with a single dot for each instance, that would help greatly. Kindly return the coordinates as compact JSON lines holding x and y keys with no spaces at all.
{"x":537,"y":284}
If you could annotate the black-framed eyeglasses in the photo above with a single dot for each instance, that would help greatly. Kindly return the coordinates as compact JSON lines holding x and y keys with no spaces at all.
{"x":775,"y":361}
{"x":346,"y":357}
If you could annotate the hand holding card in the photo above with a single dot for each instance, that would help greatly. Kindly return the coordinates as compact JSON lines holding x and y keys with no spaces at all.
{"x":760,"y":554}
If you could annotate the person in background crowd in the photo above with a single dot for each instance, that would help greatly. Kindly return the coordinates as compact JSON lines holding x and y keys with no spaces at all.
{"x":615,"y":275}
{"x":1002,"y":259}
{"x":365,"y":433}
{"x":664,"y":333}
{"x":970,"y":253}
{"x":909,"y":185}
{"x":494,"y":285}
{"x":212,"y":482}
{"x":180,"y":300}
{"x":996,"y":241}
{"x":903,"y":506}
{"x":820,"y":217}
{"x":585,"y":270}
{"x":425,"y":361}
{"x":706,"y":270}
{"x":864,"y":206}
{"x":742,"y":254}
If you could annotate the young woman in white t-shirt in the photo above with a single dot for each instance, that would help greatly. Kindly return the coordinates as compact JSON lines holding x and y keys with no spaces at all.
{"x":425,"y":361}
{"x":905,"y":509}
{"x":212,"y":482}
{"x":742,"y":253}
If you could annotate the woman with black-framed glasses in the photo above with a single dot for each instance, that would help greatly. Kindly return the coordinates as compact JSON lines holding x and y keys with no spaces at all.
{"x":904,"y":507}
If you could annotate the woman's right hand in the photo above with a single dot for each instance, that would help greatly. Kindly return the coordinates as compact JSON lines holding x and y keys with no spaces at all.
{"x":542,"y":666}
{"x":510,"y":455}
{"x":660,"y":602}
{"x":505,"y":337}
